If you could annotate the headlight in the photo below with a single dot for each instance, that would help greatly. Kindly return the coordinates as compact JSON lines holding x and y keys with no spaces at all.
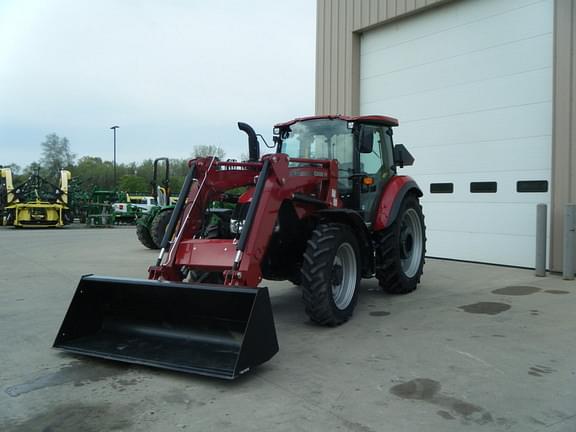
{"x":236,"y":226}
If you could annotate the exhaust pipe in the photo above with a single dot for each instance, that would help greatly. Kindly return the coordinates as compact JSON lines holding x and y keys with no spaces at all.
{"x":253,"y":145}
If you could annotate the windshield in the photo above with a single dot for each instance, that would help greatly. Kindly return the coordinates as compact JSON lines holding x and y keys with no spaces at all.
{"x":320,"y":139}
{"x":323,"y":139}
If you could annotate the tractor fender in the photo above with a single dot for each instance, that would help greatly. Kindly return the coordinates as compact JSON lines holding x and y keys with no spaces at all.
{"x":391,"y":200}
{"x":354,"y":220}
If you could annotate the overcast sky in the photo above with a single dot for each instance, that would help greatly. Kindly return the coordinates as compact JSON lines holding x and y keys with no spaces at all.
{"x":170,"y":73}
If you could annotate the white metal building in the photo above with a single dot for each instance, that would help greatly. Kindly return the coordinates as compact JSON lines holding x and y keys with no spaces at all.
{"x":485,"y":94}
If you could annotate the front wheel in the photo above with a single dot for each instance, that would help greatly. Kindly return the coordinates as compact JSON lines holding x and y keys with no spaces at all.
{"x":330,"y":274}
{"x":159,"y":225}
{"x":401,"y":248}
{"x":143,"y":234}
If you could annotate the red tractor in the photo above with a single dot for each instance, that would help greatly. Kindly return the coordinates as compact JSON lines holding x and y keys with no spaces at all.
{"x":324,"y":211}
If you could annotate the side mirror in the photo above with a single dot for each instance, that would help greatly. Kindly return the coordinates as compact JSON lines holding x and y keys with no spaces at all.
{"x":402,"y":156}
{"x":366,"y":140}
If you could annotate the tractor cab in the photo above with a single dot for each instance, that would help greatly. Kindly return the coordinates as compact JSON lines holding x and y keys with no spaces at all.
{"x":362,"y":146}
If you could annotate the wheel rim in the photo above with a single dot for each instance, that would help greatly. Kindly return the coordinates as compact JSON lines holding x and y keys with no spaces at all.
{"x":344,"y":275}
{"x":411,"y":242}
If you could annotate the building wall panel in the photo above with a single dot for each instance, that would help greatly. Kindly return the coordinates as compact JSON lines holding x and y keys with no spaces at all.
{"x":564,"y":135}
{"x":339,"y":24}
{"x":471,"y":111}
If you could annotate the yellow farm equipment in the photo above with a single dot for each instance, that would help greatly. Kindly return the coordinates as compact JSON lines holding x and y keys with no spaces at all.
{"x":36,"y":202}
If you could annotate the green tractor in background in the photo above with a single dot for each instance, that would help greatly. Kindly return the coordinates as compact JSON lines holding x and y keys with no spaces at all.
{"x":151,"y":226}
{"x":99,"y":210}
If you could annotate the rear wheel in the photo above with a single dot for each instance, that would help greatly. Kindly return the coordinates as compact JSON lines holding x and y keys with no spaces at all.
{"x":159,"y":225}
{"x":331,"y":274}
{"x":144,"y":236}
{"x":401,"y":249}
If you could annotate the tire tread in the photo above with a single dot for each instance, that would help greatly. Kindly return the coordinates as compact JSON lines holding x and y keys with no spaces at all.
{"x":143,"y":234}
{"x":316,"y":292}
{"x":389,"y":270}
{"x":158,"y":226}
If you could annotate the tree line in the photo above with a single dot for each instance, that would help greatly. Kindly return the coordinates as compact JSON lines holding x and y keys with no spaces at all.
{"x":90,"y":172}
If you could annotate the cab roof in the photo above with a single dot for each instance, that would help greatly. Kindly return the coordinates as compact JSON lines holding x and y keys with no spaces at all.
{"x":374,"y":119}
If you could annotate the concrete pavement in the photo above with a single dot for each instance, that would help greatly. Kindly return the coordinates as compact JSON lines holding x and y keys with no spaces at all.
{"x":475,"y":348}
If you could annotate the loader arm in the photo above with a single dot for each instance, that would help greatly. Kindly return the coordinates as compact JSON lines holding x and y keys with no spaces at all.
{"x":240,"y":259}
{"x":281,"y":183}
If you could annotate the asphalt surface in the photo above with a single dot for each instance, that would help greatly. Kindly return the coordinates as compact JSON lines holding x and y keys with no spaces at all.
{"x":475,"y":348}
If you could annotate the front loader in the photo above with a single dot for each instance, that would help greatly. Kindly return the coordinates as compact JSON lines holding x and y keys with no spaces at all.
{"x":326,"y":210}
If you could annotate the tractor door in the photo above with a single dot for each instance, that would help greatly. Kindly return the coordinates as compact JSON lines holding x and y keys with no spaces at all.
{"x":377,"y":167}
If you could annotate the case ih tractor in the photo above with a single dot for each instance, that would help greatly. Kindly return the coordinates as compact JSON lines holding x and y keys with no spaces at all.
{"x":326,"y":210}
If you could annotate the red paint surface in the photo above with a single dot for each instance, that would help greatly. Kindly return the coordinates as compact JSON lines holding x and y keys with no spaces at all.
{"x":389,"y":196}
{"x":215,"y":178}
{"x":383,"y":120}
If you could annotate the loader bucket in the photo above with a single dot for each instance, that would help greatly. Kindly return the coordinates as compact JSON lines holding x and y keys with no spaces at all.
{"x":203,"y":329}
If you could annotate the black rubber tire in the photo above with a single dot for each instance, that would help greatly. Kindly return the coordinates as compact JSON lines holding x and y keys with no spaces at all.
{"x":318,"y":272}
{"x":391,"y":276}
{"x":144,"y":236}
{"x":159,"y":224}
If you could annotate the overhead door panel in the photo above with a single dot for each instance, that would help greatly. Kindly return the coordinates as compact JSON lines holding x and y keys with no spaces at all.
{"x":471,"y":83}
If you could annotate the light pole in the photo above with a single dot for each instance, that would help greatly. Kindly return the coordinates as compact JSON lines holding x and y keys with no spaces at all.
{"x":114,"y":129}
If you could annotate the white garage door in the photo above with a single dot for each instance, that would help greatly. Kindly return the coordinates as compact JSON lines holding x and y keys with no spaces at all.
{"x":471,"y":83}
